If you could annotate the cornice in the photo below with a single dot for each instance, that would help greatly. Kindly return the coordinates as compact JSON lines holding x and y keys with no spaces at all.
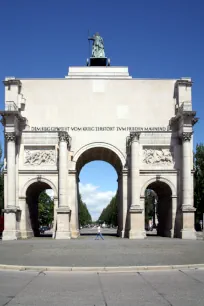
{"x":40,"y":171}
{"x":185,"y":115}
{"x":63,"y":210}
{"x":188,"y":208}
{"x":12,"y":82}
{"x":181,"y":82}
{"x":136,"y":209}
{"x":158,"y":171}
{"x":9,"y":210}
{"x":16,"y":114}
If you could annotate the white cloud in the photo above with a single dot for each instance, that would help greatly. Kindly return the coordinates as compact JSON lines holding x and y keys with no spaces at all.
{"x":95,"y":199}
{"x":50,"y":192}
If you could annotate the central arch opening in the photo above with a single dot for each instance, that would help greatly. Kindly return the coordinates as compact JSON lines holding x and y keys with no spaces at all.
{"x":98,"y":169}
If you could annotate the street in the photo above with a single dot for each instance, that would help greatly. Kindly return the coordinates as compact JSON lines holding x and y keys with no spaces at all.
{"x":175,"y":288}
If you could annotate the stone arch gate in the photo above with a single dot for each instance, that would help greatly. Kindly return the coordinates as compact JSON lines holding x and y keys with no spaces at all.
{"x":148,"y":149}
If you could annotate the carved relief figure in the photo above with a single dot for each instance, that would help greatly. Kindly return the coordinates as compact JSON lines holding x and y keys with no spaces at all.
{"x":38,"y":157}
{"x":157,"y":156}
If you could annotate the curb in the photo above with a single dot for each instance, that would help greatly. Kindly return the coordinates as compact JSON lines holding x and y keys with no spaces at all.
{"x":121,"y":269}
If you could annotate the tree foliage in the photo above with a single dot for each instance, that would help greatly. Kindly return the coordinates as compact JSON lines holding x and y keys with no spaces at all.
{"x":199,"y":182}
{"x":45,"y":209}
{"x":1,"y":181}
{"x":84,"y":215}
{"x":150,"y":197}
{"x":109,"y":214}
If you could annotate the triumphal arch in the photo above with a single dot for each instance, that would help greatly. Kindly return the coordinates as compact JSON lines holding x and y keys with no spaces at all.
{"x":142,"y":127}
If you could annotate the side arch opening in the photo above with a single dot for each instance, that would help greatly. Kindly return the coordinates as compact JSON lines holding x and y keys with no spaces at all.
{"x":158,"y":209}
{"x":40,"y":208}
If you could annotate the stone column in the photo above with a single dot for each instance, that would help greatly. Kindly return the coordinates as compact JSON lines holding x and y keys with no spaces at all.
{"x":188,"y":231}
{"x":73,"y":203}
{"x":124,"y":203}
{"x":63,"y":169}
{"x":11,"y":211}
{"x":63,"y":211}
{"x":136,"y":211}
{"x":25,"y":223}
{"x":174,"y":233}
{"x":11,"y":169}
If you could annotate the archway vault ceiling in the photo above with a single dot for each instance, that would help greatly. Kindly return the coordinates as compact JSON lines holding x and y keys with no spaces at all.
{"x":99,"y":153}
{"x":160,"y":188}
{"x":36,"y":188}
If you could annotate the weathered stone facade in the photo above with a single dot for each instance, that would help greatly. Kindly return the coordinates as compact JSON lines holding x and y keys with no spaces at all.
{"x":144,"y":128}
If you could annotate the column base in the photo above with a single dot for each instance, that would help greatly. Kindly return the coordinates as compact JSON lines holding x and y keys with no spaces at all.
{"x":188,"y":234}
{"x":188,"y":231}
{"x":121,"y":233}
{"x":63,"y":223}
{"x":137,"y":234}
{"x":137,"y":223}
{"x":75,"y":234}
{"x":26,"y":234}
{"x":10,"y":235}
{"x":63,"y":235}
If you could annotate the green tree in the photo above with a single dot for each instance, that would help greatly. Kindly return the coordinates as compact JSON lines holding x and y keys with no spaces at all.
{"x":109,"y":214}
{"x":199,"y":182}
{"x":84,"y":215}
{"x":150,"y":196}
{"x":1,"y":181}
{"x":45,"y":209}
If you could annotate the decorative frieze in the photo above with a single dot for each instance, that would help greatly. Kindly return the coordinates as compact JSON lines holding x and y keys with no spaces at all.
{"x":157,"y":156}
{"x":39,"y":156}
{"x":10,"y":136}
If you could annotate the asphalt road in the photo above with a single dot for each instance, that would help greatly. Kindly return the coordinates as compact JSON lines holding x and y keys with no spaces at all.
{"x":175,"y":288}
{"x":111,"y":252}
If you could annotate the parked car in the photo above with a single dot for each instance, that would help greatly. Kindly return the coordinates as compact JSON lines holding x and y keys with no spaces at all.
{"x":43,"y":229}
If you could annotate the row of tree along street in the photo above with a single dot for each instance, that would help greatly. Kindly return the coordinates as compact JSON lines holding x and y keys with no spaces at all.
{"x":109,"y":214}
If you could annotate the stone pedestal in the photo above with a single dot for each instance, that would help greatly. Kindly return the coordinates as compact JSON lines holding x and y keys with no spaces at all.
{"x":137,"y":223}
{"x":11,"y":216}
{"x":188,"y":231}
{"x":63,"y":223}
{"x":25,"y":228}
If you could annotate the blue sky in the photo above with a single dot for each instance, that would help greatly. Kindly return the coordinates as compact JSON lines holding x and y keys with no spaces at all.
{"x":154,"y":38}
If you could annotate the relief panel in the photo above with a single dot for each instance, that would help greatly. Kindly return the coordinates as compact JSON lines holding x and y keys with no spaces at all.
{"x":161,"y":156}
{"x":38,"y":156}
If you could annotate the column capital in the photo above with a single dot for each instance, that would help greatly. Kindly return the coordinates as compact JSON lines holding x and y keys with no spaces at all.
{"x":186,"y":136}
{"x":10,"y":136}
{"x":63,"y":136}
{"x":136,"y":209}
{"x":188,"y":208}
{"x":134,"y":136}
